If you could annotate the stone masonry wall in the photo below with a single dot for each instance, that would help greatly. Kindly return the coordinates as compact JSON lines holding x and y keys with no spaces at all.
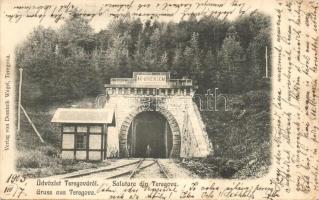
{"x":181,"y":113}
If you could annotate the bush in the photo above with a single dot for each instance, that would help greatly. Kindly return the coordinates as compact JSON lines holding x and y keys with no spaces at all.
{"x":42,"y":156}
{"x":257,"y":99}
{"x":49,"y":151}
{"x":43,"y":161}
{"x":241,"y":138}
{"x":32,"y":159}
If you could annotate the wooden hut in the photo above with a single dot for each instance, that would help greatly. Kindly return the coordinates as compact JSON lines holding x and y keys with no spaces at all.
{"x":84,"y":132}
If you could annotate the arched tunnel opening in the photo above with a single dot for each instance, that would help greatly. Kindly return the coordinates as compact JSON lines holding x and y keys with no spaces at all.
{"x":149,"y":135}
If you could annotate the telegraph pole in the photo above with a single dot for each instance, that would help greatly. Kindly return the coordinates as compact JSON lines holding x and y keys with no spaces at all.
{"x":266,"y":56}
{"x":19,"y":100}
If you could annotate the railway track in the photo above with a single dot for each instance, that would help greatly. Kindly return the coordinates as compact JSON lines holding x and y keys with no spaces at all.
{"x":142,"y":164}
{"x":130,"y":170}
{"x":101,"y":171}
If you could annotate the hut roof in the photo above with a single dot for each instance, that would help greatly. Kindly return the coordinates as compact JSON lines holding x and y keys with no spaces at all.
{"x":83,"y":115}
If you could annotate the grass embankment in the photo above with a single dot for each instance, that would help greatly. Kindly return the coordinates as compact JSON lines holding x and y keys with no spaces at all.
{"x":36,"y":159}
{"x":241,"y":138}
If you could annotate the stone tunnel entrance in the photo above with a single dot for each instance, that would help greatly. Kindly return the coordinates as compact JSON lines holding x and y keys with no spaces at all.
{"x":164,"y":102}
{"x":149,"y":128}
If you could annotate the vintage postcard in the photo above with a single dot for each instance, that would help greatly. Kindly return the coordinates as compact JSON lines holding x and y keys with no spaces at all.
{"x":142,"y":99}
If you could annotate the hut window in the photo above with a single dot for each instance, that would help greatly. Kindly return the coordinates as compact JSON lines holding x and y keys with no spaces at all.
{"x":68,"y":129}
{"x":82,"y":129}
{"x":81,"y":141}
{"x":95,"y":129}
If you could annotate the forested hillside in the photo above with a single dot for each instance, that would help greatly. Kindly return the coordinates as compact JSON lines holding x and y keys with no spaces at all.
{"x":71,"y":64}
{"x":74,"y":61}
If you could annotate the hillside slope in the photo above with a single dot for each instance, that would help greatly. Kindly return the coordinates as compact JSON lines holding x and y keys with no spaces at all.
{"x":241,"y":138}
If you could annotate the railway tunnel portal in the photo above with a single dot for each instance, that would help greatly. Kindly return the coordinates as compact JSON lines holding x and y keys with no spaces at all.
{"x":155,"y":116}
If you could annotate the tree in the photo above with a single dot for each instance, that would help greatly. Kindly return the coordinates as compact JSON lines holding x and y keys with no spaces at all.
{"x":210,"y":67}
{"x":193,"y":58}
{"x":117,"y":57}
{"x":178,"y":65}
{"x":249,"y":26}
{"x":77,"y":44}
{"x":230,"y":56}
{"x":163,"y":65}
{"x":73,"y":61}
{"x":256,"y":56}
{"x":75,"y":35}
{"x":37,"y":57}
{"x":152,"y":52}
{"x":138,"y":57}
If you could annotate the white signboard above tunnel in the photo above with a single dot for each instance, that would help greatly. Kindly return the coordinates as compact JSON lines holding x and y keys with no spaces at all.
{"x":151,"y":78}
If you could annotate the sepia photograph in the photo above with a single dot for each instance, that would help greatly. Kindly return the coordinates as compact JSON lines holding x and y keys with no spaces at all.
{"x":138,"y":99}
{"x":146,"y":98}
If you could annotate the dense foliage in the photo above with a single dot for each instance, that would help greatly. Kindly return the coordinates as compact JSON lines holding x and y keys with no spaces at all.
{"x":63,"y":66}
{"x":74,"y":61}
